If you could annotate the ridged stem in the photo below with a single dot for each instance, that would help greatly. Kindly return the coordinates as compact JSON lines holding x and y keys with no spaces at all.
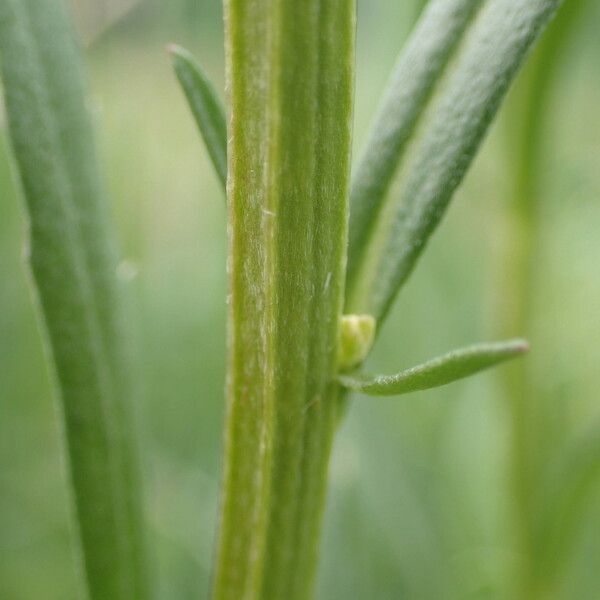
{"x":289,"y":79}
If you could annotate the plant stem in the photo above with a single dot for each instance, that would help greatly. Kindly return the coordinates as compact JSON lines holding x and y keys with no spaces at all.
{"x":290,"y":78}
{"x":519,"y":254}
{"x":517,"y":260}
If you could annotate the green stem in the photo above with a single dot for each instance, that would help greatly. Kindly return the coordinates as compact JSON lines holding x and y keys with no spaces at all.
{"x":517,"y":261}
{"x":519,"y":255}
{"x":290,"y":77}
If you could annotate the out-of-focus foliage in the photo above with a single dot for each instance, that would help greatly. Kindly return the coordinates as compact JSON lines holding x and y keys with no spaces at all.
{"x":72,"y":260}
{"x":206,"y":107}
{"x":419,"y":505}
{"x":95,"y":16}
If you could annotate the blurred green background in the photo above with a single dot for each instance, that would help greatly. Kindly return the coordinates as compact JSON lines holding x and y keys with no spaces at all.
{"x":421,"y":502}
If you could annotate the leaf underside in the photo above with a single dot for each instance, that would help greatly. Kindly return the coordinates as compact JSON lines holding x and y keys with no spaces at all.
{"x":438,"y":371}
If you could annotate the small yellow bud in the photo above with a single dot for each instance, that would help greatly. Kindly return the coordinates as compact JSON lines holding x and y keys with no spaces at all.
{"x":356,"y":338}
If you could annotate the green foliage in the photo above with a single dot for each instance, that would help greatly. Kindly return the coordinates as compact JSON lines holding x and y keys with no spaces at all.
{"x":438,"y":371}
{"x":285,"y":246}
{"x":73,"y":261}
{"x":206,"y":108}
{"x":427,"y":132}
{"x":290,"y":77}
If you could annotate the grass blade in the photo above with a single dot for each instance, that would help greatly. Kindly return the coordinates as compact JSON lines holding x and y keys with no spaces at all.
{"x":408,"y":176}
{"x":206,"y":107}
{"x":73,"y":262}
{"x":438,"y":371}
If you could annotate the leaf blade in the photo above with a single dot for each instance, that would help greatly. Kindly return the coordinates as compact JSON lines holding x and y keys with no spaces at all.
{"x":206,"y":107}
{"x":438,"y":371}
{"x":73,"y":259}
{"x":411,"y":84}
{"x":400,"y":218}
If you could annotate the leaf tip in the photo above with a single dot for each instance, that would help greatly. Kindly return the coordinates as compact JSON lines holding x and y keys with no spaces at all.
{"x":517,"y":346}
{"x":178,"y":55}
{"x":174,"y":50}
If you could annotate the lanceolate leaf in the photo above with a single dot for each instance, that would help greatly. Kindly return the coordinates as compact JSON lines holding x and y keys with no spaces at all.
{"x":410,"y":87}
{"x":206,"y":107}
{"x":439,"y":371}
{"x":73,"y":262}
{"x":418,"y":152}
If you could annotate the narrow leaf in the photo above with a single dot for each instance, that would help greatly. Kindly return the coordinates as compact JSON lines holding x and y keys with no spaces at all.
{"x":438,"y":371}
{"x":73,"y":260}
{"x":206,"y":107}
{"x":444,"y":93}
